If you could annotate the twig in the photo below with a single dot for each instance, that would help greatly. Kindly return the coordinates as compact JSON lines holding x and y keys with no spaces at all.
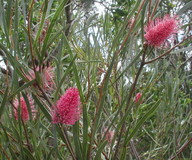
{"x":29,"y":36}
{"x":102,"y":3}
{"x":129,"y":98}
{"x":167,"y":51}
{"x":155,"y":8}
{"x":27,"y":138}
{"x":68,"y":144}
{"x":4,"y":152}
{"x":34,"y":69}
{"x":190,"y":58}
{"x":104,"y":154}
{"x":106,"y":76}
{"x":43,"y":93}
{"x":149,"y":12}
{"x":68,"y":17}
{"x":134,"y":150}
{"x":181,"y":149}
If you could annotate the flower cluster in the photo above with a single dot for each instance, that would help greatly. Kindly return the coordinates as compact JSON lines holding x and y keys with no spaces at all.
{"x":66,"y":110}
{"x":47,"y":77}
{"x":109,"y":135}
{"x":161,"y":29}
{"x":20,"y":106}
{"x":137,"y":97}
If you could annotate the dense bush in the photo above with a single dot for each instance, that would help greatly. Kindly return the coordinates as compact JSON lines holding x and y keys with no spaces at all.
{"x":78,"y":84}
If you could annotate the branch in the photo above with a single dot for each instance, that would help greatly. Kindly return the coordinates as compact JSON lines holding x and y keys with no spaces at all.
{"x":136,"y":154}
{"x":167,"y":51}
{"x":189,"y":59}
{"x":4,"y":71}
{"x":68,"y":16}
{"x":185,"y":145}
{"x":104,"y":83}
{"x":129,"y":98}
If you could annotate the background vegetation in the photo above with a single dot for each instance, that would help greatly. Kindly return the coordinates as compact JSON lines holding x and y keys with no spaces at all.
{"x":101,"y":55}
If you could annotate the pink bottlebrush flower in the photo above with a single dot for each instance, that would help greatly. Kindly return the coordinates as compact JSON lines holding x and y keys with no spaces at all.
{"x":22,"y":106}
{"x":67,"y":109}
{"x":137,"y":97}
{"x":47,"y":76}
{"x":109,"y":135}
{"x":161,"y":29}
{"x":43,"y":32}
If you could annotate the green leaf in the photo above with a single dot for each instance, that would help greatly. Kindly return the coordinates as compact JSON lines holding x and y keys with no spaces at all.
{"x":3,"y":102}
{"x":100,"y":149}
{"x":41,"y":24}
{"x":42,"y":107}
{"x":64,"y":76}
{"x":137,"y":127}
{"x":182,"y":50}
{"x":50,"y":153}
{"x":76,"y":141}
{"x":14,"y":62}
{"x":53,"y":22}
{"x":21,"y":88}
{"x":131,"y":64}
{"x":142,"y":121}
{"x":85,"y":116}
{"x":28,"y":153}
{"x":28,"y":105}
{"x":185,"y":8}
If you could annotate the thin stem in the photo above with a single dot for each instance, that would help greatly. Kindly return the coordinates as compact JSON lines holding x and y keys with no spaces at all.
{"x":182,"y":149}
{"x":104,"y":154}
{"x":68,"y":17}
{"x":29,"y":36}
{"x":131,"y":28}
{"x":4,"y":152}
{"x":167,"y":51}
{"x":190,"y":58}
{"x":68,"y":144}
{"x":105,"y":78}
{"x":149,"y":11}
{"x":27,"y":139}
{"x":136,"y":154}
{"x":155,"y":8}
{"x":25,"y":130}
{"x":129,"y":99}
{"x":34,"y":68}
{"x":44,"y":94}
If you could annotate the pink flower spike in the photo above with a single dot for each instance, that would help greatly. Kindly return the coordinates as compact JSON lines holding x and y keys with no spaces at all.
{"x":160,"y":30}
{"x":22,"y":106}
{"x":109,"y":135}
{"x":137,"y":97}
{"x":66,"y":110}
{"x":47,"y":76}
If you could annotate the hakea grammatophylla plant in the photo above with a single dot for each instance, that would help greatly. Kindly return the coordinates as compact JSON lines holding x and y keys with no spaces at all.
{"x":161,"y":29}
{"x":20,"y":106}
{"x":67,"y":110}
{"x":47,"y":76}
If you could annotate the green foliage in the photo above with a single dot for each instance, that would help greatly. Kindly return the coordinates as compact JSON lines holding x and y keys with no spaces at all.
{"x":105,"y":56}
